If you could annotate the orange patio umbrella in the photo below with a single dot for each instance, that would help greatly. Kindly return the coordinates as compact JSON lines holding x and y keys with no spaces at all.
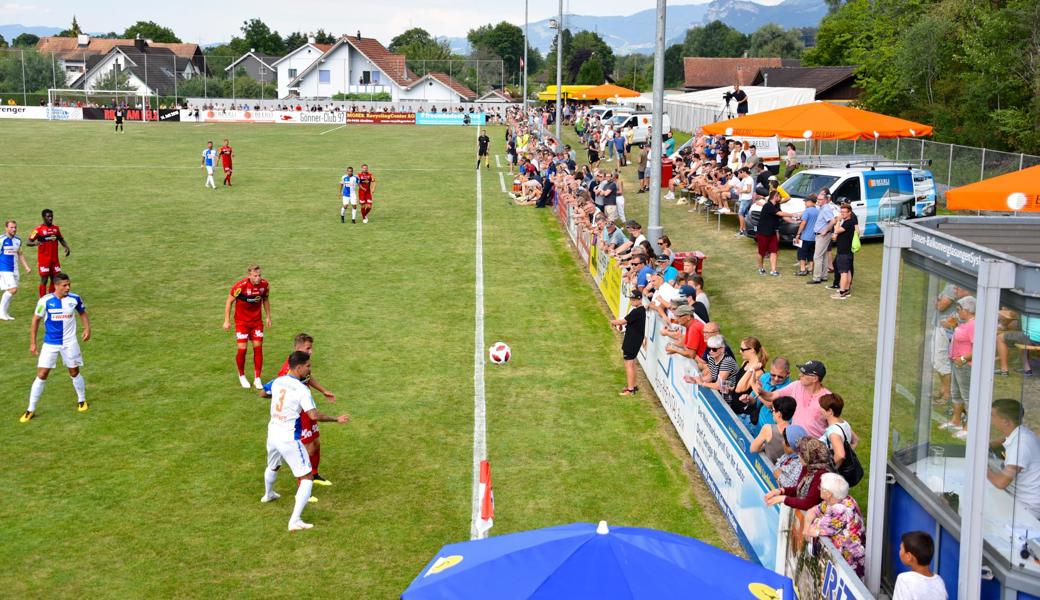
{"x":820,"y":121}
{"x":607,"y":90}
{"x":1018,"y":191}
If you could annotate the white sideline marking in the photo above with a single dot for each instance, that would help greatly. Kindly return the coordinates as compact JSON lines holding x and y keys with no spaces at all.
{"x":498,"y":163}
{"x":479,"y":404}
{"x":331,"y":130}
{"x":195,"y":167}
{"x":502,"y":182}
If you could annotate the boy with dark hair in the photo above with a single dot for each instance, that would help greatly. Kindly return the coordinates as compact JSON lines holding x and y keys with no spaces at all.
{"x":919,"y":583}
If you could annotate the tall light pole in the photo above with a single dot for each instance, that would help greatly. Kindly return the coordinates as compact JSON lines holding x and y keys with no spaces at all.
{"x":654,"y":230}
{"x":525,"y":56}
{"x":559,"y":71}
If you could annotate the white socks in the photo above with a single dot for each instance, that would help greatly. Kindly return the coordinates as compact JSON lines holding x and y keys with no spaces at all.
{"x":5,"y":302}
{"x":343,"y":211}
{"x":35,"y":392}
{"x":81,"y":387}
{"x":302,"y":495}
{"x":269,"y":478}
{"x":353,"y":213}
{"x":209,"y":182}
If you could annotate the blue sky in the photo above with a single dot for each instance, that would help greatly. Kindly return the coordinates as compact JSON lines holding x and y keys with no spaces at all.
{"x":216,"y":21}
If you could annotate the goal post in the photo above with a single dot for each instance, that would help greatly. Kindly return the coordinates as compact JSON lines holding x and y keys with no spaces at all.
{"x":129,"y":98}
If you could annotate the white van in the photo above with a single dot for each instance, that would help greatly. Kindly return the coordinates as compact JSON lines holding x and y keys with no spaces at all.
{"x":640,"y":122}
{"x":606,"y":113}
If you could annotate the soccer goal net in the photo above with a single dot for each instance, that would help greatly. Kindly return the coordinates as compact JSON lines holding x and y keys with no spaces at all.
{"x":131,"y":99}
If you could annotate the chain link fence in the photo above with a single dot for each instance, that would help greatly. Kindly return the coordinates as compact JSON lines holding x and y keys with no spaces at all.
{"x":175,"y":73}
{"x":952,"y":165}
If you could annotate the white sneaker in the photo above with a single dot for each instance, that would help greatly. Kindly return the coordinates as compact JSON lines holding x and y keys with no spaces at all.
{"x":365,"y":220}
{"x":298,"y":525}
{"x":270,"y":497}
{"x":6,"y":318}
{"x":257,"y":383}
{"x":669,"y":196}
{"x":242,"y":380}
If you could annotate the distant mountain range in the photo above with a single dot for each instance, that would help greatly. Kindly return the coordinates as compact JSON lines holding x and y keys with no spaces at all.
{"x":12,"y":31}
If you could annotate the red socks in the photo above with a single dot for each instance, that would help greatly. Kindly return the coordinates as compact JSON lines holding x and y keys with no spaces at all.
{"x":240,"y":361}
{"x":315,"y":459}
{"x":43,"y":290}
{"x":365,"y":209}
{"x":227,"y":179}
{"x":258,"y":360}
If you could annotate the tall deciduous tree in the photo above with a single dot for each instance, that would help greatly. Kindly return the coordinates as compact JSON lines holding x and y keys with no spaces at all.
{"x":771,"y":40}
{"x":256,"y":35}
{"x":503,"y":40}
{"x":150,"y":30}
{"x":25,"y":40}
{"x":715,"y":39}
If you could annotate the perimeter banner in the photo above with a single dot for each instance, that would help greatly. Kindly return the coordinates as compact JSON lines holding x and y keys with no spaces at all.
{"x":381,"y":118}
{"x":452,"y":118}
{"x":41,"y":112}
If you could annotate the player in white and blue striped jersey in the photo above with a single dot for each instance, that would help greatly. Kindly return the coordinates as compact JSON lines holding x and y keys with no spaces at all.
{"x":348,"y":186}
{"x":58,"y":312}
{"x":209,"y":158}
{"x":10,"y":255}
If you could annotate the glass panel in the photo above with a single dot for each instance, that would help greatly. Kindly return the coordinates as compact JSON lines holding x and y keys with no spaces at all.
{"x":1012,"y":508}
{"x":804,"y":183}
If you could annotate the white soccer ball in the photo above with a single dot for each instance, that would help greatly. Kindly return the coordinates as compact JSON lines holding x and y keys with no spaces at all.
{"x":499,"y":353}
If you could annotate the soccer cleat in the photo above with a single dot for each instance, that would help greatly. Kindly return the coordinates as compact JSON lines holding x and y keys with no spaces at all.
{"x":6,"y":318}
{"x":27,"y":417}
{"x":353,"y":220}
{"x":342,"y":219}
{"x":319,"y":480}
{"x":82,"y":407}
{"x":299,"y":525}
{"x":243,"y":381}
{"x":257,"y":383}
{"x":270,"y":497}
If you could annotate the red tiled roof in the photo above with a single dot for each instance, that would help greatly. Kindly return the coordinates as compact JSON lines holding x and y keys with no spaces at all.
{"x":455,"y":86}
{"x":69,"y":48}
{"x":323,"y":47}
{"x":704,"y":72}
{"x":393,"y":65}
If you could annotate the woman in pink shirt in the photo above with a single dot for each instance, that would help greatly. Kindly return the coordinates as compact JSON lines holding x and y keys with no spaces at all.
{"x":960,"y":361}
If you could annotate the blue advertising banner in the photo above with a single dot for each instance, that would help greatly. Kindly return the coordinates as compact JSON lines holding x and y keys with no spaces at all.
{"x":450,"y":118}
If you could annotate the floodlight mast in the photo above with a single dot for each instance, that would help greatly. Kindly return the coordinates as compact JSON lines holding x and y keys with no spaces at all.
{"x":656,"y":139}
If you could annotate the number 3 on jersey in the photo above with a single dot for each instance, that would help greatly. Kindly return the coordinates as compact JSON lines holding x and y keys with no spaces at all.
{"x":281,"y":401}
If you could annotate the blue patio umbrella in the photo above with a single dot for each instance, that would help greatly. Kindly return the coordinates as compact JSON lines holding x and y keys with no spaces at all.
{"x":583,"y":560}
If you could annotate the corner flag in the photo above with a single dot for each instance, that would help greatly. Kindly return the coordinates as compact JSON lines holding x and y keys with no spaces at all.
{"x":487,"y":500}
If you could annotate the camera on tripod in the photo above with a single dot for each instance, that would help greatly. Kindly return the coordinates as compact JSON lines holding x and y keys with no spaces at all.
{"x":727,"y":97}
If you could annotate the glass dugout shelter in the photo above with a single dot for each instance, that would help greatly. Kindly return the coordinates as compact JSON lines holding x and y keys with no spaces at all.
{"x":954,"y":451}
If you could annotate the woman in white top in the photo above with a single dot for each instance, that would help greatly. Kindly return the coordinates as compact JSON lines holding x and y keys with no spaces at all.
{"x":838,"y":429}
{"x":792,"y":160}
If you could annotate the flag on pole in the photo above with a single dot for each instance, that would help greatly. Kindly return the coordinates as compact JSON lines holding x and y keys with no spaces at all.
{"x":487,"y":500}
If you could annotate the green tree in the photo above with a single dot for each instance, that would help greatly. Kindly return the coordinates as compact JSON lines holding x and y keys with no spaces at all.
{"x":591,"y":41}
{"x":674,"y":73}
{"x":114,"y":79}
{"x":73,"y":30}
{"x":3,"y":42}
{"x":772,"y":41}
{"x":39,"y":71}
{"x":416,"y":37}
{"x":715,"y":39}
{"x":591,"y":72}
{"x":25,"y":40}
{"x":321,"y":37}
{"x":150,"y":30}
{"x":504,"y":40}
{"x":550,"y":58}
{"x":256,"y":35}
{"x":294,"y":40}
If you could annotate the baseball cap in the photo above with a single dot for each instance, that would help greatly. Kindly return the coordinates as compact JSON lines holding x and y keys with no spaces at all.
{"x":663,"y":258}
{"x":813,"y":367}
{"x":688,"y":291}
{"x":636,"y":295}
{"x":967,"y":303}
{"x":771,"y":177}
{"x":794,"y":434}
{"x":684,"y":311}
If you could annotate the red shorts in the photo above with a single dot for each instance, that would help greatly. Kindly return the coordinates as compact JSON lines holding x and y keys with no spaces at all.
{"x":768,"y":244}
{"x":364,"y":197}
{"x":50,"y":269}
{"x":308,"y":429}
{"x":227,"y":167}
{"x":249,"y":331}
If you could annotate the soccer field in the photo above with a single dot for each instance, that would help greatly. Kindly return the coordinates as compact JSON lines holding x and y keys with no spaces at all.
{"x":155,"y":491}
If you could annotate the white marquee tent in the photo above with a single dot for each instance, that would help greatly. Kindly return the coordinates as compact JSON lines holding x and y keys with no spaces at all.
{"x":690,"y":111}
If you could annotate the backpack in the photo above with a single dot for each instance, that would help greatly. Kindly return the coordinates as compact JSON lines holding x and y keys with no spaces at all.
{"x":850,"y":468}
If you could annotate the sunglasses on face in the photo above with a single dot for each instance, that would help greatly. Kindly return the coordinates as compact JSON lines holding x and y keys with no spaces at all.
{"x":743,"y":349}
{"x":775,"y":376}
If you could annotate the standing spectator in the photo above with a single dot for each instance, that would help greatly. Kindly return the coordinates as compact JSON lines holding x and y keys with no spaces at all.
{"x":619,"y":147}
{"x":722,"y":369}
{"x":641,"y":173}
{"x":791,"y":160}
{"x":960,"y":358}
{"x":767,"y":234}
{"x":611,"y":237}
{"x":805,"y":494}
{"x":668,"y":272}
{"x":698,"y":284}
{"x":844,"y":233}
{"x":838,"y":429}
{"x":742,"y":100}
{"x":693,"y":344}
{"x":825,"y":221}
{"x":635,"y":329}
{"x":777,"y":377}
{"x":916,"y":549}
{"x":789,"y":467}
{"x":807,"y":391}
{"x":839,"y":518}
{"x":620,"y":198}
{"x":770,"y":440}
{"x":746,"y":196}
{"x":665,"y":244}
{"x":806,"y":238}
{"x":945,"y":320}
{"x":753,"y":358}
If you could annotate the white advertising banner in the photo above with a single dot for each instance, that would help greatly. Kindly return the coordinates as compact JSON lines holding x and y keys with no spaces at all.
{"x":265,"y":116}
{"x":41,"y":112}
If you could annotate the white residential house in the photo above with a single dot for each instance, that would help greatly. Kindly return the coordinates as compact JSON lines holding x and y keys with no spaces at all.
{"x":295,"y":62}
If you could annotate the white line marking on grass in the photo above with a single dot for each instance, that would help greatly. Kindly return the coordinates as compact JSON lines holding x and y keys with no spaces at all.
{"x":194,"y":167}
{"x":498,"y":163}
{"x":479,"y":404}
{"x":331,"y":130}
{"x":502,"y":182}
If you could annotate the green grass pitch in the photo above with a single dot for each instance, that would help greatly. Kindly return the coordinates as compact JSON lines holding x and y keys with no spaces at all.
{"x":155,"y":491}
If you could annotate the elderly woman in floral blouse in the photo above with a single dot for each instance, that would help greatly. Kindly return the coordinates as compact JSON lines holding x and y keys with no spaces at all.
{"x":839,"y":518}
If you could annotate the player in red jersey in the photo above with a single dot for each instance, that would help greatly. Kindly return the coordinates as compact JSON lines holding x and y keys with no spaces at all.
{"x":308,"y":427}
{"x":250,"y":299}
{"x":46,"y":237}
{"x":366,"y":186}
{"x":225,"y":157}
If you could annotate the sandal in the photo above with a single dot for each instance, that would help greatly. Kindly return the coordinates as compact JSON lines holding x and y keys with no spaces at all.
{"x":628,"y":391}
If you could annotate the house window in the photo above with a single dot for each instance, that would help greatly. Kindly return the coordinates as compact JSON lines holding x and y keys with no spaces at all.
{"x":366,"y":77}
{"x":292,"y":73}
{"x":375,"y":76}
{"x":324,"y":76}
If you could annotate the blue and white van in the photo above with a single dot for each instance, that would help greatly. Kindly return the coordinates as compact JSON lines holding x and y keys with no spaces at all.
{"x":877,"y":195}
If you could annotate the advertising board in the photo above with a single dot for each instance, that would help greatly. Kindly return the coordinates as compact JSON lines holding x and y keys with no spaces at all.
{"x":381,"y":118}
{"x":450,"y":118}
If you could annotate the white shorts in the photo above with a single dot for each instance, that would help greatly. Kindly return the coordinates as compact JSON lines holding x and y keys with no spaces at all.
{"x":209,"y":170}
{"x":347,"y":200}
{"x":292,"y":453}
{"x":70,"y":356}
{"x":8,"y":280}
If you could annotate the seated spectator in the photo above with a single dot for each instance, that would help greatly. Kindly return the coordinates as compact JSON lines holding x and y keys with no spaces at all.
{"x":916,"y":549}
{"x":1021,"y":455}
{"x":839,"y":518}
{"x":770,"y":440}
{"x":805,"y":494}
{"x":722,"y":369}
{"x":789,"y":467}
{"x":838,"y":430}
{"x":807,"y":391}
{"x":1028,"y":336}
